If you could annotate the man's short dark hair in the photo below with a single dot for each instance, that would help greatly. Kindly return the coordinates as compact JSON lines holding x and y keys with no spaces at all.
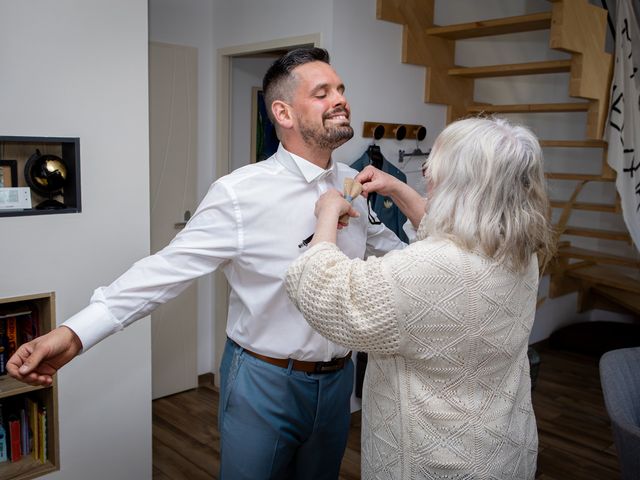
{"x":275,"y":81}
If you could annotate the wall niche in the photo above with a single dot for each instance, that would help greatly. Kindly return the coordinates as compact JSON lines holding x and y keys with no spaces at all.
{"x":39,"y":175}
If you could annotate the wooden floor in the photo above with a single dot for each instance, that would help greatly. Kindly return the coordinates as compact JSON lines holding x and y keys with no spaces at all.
{"x":575,"y":440}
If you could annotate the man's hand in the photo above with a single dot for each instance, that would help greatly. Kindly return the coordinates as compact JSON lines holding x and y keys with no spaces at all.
{"x":37,"y":361}
{"x":375,"y":180}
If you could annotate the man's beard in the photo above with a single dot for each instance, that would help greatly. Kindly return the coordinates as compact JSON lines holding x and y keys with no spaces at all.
{"x":326,"y":138}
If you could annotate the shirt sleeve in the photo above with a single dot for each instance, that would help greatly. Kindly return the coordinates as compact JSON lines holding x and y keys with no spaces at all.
{"x":381,"y":240}
{"x":210,"y":238}
{"x":350,"y":302}
{"x":410,"y":231}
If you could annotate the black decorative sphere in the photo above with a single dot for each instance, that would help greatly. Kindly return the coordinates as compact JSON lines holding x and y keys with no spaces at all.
{"x":47,"y":176}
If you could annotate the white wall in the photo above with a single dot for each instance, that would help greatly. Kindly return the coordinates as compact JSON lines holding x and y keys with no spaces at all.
{"x":241,"y":22}
{"x":79,"y":68}
{"x":189,"y":22}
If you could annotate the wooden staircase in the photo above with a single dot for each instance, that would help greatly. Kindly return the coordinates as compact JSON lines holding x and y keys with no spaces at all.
{"x":603,"y":280}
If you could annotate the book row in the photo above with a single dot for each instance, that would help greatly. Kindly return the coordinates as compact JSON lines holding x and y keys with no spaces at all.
{"x":18,"y":324}
{"x":23,"y":429}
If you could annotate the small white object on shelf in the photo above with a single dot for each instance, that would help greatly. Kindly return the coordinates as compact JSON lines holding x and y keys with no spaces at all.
{"x":15,"y":198}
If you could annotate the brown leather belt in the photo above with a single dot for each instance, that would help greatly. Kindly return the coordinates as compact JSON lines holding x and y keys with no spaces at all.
{"x":302,"y":366}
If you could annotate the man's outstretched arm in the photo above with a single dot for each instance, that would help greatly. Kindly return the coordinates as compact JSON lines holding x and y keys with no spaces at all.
{"x":37,"y":361}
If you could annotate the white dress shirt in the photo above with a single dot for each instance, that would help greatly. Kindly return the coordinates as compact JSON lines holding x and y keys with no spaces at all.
{"x":250,"y":224}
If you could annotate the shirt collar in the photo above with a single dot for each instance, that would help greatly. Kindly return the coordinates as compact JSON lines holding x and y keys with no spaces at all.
{"x":308,"y":170}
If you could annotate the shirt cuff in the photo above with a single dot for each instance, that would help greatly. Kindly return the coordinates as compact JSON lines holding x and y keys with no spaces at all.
{"x":410,"y":231}
{"x":92,"y":325}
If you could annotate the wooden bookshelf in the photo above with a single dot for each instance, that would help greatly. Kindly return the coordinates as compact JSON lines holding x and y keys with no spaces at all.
{"x":28,"y":467}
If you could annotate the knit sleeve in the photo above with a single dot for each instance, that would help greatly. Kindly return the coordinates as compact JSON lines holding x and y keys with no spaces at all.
{"x":350,"y":302}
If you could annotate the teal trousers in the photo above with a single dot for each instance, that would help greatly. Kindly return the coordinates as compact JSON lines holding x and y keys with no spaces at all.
{"x":277,"y":423}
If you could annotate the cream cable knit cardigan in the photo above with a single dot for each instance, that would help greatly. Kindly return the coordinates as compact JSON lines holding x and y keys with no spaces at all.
{"x":447,"y":388}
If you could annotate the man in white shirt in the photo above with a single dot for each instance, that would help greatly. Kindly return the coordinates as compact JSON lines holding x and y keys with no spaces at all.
{"x":285,"y":389}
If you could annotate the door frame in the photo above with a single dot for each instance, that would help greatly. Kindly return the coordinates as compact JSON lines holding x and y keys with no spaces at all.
{"x":223,"y":141}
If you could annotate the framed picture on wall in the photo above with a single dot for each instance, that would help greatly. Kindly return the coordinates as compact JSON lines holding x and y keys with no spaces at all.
{"x":264,"y":141}
{"x":8,"y":173}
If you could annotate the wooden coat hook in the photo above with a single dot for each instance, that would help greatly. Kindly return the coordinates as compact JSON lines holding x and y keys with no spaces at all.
{"x":399,"y":131}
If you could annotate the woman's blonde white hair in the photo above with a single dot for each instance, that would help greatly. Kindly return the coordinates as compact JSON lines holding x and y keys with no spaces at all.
{"x":487,"y":191}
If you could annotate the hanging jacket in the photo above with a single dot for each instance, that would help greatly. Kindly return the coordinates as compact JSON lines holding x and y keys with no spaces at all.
{"x":386,"y":210}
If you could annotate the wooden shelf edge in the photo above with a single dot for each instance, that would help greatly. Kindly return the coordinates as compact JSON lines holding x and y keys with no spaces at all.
{"x":577,"y":176}
{"x":595,"y":275}
{"x":531,"y":108}
{"x":594,"y":233}
{"x":628,"y":300}
{"x":26,"y":468}
{"x":597,"y":257}
{"x":573,"y":143}
{"x":590,"y":207}
{"x":514,"y":69}
{"x":10,"y":387}
{"x":498,"y":26}
{"x":26,"y":298}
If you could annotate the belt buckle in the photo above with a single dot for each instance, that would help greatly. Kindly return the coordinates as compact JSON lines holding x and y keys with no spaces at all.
{"x":330,"y":366}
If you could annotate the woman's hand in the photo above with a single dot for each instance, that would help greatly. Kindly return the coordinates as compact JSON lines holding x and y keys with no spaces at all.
{"x":375,"y":180}
{"x":406,"y":198}
{"x":331,"y":206}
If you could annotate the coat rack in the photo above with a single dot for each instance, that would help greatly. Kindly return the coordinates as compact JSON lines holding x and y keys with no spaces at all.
{"x":398,"y":131}
{"x":416,"y":153}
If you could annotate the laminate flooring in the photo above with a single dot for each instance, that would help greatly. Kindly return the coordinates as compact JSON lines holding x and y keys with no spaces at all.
{"x":575,"y":439}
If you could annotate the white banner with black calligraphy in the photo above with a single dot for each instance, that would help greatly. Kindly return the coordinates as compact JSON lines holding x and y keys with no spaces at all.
{"x":623,"y":130}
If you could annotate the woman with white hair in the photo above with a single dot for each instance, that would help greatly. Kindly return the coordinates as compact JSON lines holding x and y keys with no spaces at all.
{"x":446,"y":321}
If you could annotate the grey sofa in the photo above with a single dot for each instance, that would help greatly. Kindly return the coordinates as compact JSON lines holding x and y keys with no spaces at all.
{"x":620,"y":378}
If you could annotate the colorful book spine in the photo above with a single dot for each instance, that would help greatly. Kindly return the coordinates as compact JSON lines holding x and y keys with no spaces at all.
{"x":4,"y":346}
{"x":3,"y":444}
{"x":24,"y":432}
{"x":32,"y":407}
{"x":4,"y":440}
{"x":12,"y":334}
{"x":14,"y":439}
{"x":42,"y":430}
{"x":27,"y":328}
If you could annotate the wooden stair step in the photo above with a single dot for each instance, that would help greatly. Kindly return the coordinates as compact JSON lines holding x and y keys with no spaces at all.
{"x":530,"y":108}
{"x":573,"y":143}
{"x":592,"y":207}
{"x":577,"y":176}
{"x":597,"y":257}
{"x":513,"y":69}
{"x":598,"y":275}
{"x":629,"y":300}
{"x":595,"y":233}
{"x":498,"y":26}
